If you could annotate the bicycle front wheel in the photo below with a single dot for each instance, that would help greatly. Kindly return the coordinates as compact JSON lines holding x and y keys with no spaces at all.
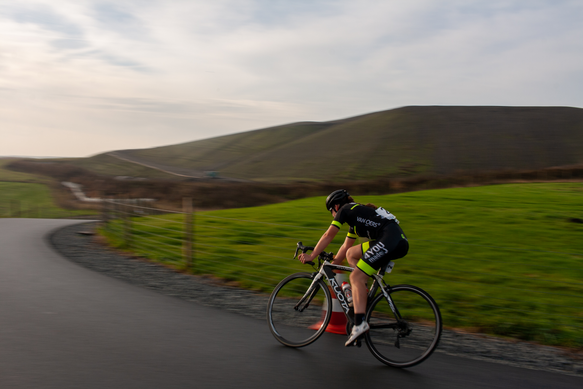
{"x":409,"y":340}
{"x":297,"y":314}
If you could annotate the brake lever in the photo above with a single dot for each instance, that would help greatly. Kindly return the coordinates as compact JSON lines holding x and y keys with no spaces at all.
{"x":304,"y":249}
{"x":297,"y":249}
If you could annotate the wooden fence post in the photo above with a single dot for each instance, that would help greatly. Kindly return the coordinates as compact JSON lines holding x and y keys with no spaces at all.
{"x":113,"y":215}
{"x":103,"y":210}
{"x":188,"y":242}
{"x":126,"y":211}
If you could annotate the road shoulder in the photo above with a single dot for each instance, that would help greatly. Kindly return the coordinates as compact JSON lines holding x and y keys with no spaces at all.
{"x":75,"y":244}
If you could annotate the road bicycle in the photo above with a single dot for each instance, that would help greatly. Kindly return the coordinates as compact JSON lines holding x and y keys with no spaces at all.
{"x":405,"y":322}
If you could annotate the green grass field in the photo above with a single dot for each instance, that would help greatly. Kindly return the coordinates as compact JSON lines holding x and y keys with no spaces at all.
{"x":33,"y":201}
{"x":26,"y":195}
{"x":503,"y":259}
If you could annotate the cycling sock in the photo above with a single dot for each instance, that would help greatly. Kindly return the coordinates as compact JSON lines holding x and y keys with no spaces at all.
{"x":358,"y":319}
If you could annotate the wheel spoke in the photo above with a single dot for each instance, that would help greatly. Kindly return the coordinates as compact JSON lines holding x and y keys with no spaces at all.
{"x":297,"y":319}
{"x":387,"y":325}
{"x":410,"y":340}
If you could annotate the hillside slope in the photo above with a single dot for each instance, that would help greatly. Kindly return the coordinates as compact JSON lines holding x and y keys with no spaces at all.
{"x":396,"y":143}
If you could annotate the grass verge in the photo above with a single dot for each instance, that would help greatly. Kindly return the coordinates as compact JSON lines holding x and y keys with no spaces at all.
{"x":29,"y":195}
{"x":502,"y":259}
{"x":33,"y":201}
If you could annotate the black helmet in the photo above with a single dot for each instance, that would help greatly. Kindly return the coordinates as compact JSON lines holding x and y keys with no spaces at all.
{"x":339,"y":196}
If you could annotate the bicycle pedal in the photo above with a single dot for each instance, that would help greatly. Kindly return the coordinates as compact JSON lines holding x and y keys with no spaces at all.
{"x":358,"y":343}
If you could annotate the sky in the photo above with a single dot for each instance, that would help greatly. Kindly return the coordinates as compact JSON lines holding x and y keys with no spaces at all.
{"x":82,"y":77}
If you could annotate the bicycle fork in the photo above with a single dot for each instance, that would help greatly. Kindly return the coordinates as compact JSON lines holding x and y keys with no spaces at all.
{"x":328,"y":273}
{"x":309,"y":295}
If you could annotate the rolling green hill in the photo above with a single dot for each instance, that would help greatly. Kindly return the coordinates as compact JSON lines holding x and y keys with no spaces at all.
{"x":402,"y":142}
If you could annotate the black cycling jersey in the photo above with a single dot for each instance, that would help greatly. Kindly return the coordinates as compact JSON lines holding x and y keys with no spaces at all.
{"x":386,"y":239}
{"x":364,"y":221}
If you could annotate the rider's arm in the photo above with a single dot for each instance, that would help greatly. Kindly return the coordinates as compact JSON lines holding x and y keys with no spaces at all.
{"x":324,"y":241}
{"x":348,"y":243}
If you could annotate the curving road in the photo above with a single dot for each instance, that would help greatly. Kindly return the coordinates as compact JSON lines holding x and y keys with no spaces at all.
{"x":63,"y":326}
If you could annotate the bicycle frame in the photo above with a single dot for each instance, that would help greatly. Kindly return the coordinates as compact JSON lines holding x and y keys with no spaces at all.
{"x":295,"y":330}
{"x":327,"y":271}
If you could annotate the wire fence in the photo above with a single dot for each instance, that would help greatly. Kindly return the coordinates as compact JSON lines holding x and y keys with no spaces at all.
{"x":532,"y":303}
{"x":135,"y":226}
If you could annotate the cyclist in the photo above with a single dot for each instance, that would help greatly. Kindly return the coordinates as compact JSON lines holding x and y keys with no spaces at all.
{"x":386,"y":241}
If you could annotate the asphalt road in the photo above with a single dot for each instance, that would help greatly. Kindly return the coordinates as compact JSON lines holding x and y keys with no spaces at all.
{"x":63,"y":326}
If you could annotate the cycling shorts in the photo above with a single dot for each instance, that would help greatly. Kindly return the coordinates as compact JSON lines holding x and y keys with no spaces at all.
{"x":392,"y":244}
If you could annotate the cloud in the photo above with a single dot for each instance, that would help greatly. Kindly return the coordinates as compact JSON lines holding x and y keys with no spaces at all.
{"x":114,"y":18}
{"x":66,"y":35}
{"x":45,"y":17}
{"x":189,"y":69}
{"x":71,"y":35}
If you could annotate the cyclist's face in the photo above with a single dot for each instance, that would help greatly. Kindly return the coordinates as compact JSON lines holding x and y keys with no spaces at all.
{"x":333,"y":211}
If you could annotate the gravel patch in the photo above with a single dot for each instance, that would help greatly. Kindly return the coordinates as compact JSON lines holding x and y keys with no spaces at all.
{"x":79,"y":245}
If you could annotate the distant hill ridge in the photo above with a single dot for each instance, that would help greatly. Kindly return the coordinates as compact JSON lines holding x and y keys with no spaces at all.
{"x":400,"y":142}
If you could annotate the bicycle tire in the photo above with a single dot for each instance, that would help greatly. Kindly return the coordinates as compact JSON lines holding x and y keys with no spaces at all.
{"x":408,"y":342}
{"x":294,"y":327}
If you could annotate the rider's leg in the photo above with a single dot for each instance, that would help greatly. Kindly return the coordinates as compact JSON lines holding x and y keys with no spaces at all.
{"x":358,"y":280}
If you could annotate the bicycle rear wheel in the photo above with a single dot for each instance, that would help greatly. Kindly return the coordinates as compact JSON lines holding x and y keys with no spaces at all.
{"x":410,"y":340}
{"x":297,"y":318}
